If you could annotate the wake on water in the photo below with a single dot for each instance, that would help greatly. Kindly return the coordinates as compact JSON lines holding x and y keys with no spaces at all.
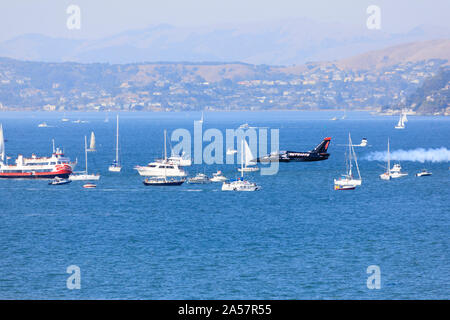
{"x":417,"y":155}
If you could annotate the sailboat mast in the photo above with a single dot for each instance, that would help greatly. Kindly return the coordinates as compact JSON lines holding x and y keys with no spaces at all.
{"x":349,"y":155}
{"x":85,"y":153}
{"x":117,"y":141}
{"x":242,"y":158}
{"x":165,"y":149}
{"x":2,"y":144}
{"x":388,"y":161}
{"x":354,"y":156}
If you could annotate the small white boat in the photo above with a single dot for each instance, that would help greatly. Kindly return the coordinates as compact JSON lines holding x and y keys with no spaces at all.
{"x":84,"y":175}
{"x":89,"y":186}
{"x":423,"y":173}
{"x":65,"y":120}
{"x":115,"y":166}
{"x":230,"y":151}
{"x":43,"y":125}
{"x":244,"y":126}
{"x":333,"y":119}
{"x":58,"y":181}
{"x":240,"y":185}
{"x":363,"y":143}
{"x":200,"y":178}
{"x":218,"y":177}
{"x":77,"y":121}
{"x":396,"y":171}
{"x":163,"y":181}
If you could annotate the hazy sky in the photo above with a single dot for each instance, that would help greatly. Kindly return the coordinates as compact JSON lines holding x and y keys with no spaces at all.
{"x":101,"y":18}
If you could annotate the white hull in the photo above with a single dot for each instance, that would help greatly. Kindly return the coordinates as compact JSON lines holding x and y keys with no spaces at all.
{"x":158,"y":172}
{"x":84,"y":177}
{"x":385,"y":176}
{"x":114,"y":168}
{"x":239,"y":185}
{"x":248,"y":169}
{"x":218,"y":179}
{"x":395,"y":175}
{"x":347,"y":182}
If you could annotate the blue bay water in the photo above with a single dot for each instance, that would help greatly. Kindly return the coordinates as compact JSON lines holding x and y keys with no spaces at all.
{"x":296,"y":238}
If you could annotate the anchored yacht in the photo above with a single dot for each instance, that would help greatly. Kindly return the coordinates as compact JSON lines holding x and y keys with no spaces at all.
{"x":161,"y":167}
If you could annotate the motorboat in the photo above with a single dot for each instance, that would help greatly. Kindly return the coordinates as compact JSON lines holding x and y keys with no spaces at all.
{"x":218,"y":177}
{"x":423,"y":173}
{"x":161,"y":167}
{"x":396,"y":171}
{"x":200,"y":178}
{"x":58,"y":181}
{"x":240,"y":185}
{"x":43,"y":125}
{"x":163,"y":181}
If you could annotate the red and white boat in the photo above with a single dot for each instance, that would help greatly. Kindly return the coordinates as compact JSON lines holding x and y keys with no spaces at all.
{"x":35,"y":167}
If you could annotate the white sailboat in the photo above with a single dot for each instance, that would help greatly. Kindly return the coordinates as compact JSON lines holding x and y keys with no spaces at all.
{"x":92,"y":143}
{"x":249,"y":165}
{"x":401,"y":121}
{"x":240,"y":184}
{"x":84,"y":175}
{"x":115,"y":166}
{"x":347,"y":181}
{"x":387,"y":175}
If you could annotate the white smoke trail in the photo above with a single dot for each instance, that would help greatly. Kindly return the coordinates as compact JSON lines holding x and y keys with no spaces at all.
{"x":417,"y":155}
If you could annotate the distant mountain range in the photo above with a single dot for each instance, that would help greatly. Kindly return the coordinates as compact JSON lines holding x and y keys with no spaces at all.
{"x":275,"y":43}
{"x":415,"y":73}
